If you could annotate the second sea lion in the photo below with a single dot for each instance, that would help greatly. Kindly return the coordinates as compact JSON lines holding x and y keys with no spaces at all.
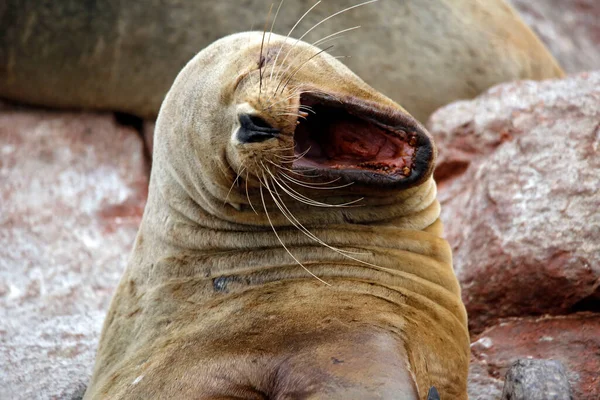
{"x":123,"y":56}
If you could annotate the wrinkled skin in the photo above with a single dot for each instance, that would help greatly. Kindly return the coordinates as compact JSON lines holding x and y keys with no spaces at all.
{"x":123,"y":56}
{"x":212,"y":306}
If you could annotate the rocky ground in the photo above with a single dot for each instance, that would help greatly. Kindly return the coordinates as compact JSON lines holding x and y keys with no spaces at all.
{"x":519,"y":179}
{"x":72,"y":195}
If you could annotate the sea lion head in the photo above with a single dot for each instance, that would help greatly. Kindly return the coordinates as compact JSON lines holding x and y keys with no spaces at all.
{"x":256,"y":118}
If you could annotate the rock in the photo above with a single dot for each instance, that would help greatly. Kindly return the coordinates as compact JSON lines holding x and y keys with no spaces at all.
{"x":574,"y":340}
{"x":569,"y":28}
{"x":482,"y":385}
{"x":523,"y":220}
{"x":72,"y":194}
{"x":536,"y":380}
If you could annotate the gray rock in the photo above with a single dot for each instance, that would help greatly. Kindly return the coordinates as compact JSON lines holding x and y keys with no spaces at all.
{"x":537,"y":380}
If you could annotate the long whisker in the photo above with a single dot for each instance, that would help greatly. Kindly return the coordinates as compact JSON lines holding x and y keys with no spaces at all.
{"x":296,"y":172}
{"x":306,"y":200}
{"x":335,"y":34}
{"x":344,"y":253}
{"x":336,"y":14}
{"x":291,"y":114}
{"x":300,"y":67}
{"x":281,"y":241}
{"x":291,"y":170}
{"x":316,"y":185}
{"x":288,"y":35}
{"x":233,"y":184}
{"x":273,"y":24}
{"x":248,"y":195}
{"x":322,"y":21}
{"x":290,"y":217}
{"x":321,"y":41}
{"x":303,"y":52}
{"x":260,"y":58}
{"x":294,"y":157}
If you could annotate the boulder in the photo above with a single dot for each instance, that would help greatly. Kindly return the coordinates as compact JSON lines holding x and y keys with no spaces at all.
{"x":535,"y":379}
{"x":72,"y":195}
{"x":522,"y":219}
{"x":574,"y":340}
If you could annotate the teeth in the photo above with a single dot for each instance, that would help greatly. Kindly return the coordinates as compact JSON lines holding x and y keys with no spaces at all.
{"x":236,"y":206}
{"x":303,"y":114}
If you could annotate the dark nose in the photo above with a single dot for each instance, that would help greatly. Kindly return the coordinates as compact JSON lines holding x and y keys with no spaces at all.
{"x":254,"y":129}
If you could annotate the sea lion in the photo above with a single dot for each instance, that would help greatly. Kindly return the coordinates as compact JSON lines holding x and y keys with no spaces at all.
{"x":123,"y":56}
{"x":291,"y":244}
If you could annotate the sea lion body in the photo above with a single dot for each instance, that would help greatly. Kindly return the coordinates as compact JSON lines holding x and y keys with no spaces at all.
{"x":225,"y":297}
{"x":123,"y":56}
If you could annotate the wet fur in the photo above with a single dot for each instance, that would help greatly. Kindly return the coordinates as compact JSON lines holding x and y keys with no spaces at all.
{"x":211,"y":305}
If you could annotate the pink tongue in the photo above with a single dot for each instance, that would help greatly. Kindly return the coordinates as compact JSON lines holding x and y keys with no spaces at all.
{"x":354,"y":140}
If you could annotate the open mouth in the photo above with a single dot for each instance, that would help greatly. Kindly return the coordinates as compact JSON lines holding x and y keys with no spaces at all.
{"x":358,"y":139}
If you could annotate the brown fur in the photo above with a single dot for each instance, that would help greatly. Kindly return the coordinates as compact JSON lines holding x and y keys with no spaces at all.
{"x":211,"y":306}
{"x":123,"y":56}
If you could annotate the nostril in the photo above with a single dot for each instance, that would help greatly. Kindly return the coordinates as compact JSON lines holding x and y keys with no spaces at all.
{"x":254,"y":129}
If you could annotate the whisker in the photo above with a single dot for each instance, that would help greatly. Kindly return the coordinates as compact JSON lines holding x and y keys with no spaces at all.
{"x":281,"y":241}
{"x":315,"y":183}
{"x":296,"y":172}
{"x":321,"y":41}
{"x":291,"y":114}
{"x":307,"y":108}
{"x":248,"y":195}
{"x":335,"y":34}
{"x":294,"y":157}
{"x":344,"y":253}
{"x":288,"y":35}
{"x":336,"y":14}
{"x":233,"y":184}
{"x":321,"y":187}
{"x":306,"y":50}
{"x":306,"y":200}
{"x":294,"y":221}
{"x":274,"y":19}
{"x":260,"y":58}
{"x":324,"y":20}
{"x":300,"y":67}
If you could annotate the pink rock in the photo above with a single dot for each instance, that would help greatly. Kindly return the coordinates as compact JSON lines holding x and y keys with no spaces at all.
{"x":523,"y":219}
{"x":574,"y":340}
{"x":72,"y":194}
{"x":570,"y":29}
